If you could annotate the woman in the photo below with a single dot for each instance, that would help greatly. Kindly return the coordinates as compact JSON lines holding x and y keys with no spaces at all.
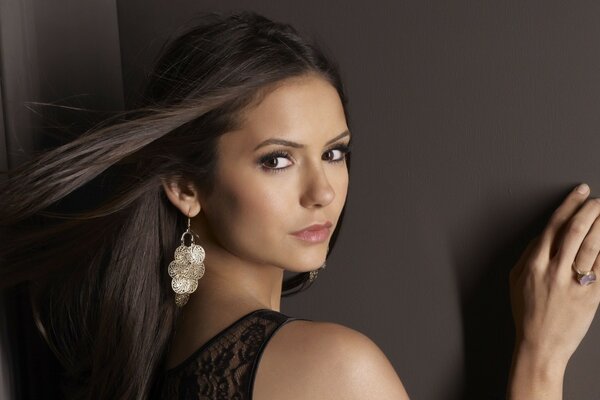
{"x":234,"y":168}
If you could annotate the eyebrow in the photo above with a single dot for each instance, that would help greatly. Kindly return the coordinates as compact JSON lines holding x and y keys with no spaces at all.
{"x":297,"y":145}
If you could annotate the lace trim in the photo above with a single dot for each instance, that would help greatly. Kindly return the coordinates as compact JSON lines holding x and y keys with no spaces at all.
{"x":224,"y":367}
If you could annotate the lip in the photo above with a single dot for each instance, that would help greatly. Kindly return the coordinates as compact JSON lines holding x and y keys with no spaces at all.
{"x":314,"y":233}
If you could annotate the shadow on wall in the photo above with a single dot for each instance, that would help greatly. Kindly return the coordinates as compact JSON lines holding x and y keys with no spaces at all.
{"x":485,"y":302}
{"x":37,"y":372}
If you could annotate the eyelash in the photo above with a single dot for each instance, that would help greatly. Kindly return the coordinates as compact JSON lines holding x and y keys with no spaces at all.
{"x":345,"y":149}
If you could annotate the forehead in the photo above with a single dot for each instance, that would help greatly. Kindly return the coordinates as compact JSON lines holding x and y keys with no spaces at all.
{"x":304,"y":109}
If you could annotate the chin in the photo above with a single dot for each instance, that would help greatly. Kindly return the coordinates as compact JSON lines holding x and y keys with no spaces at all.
{"x":305,"y":264}
{"x":299,"y":257}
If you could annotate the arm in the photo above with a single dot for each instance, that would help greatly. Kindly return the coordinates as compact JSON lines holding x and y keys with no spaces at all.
{"x":552,"y":311}
{"x":535,"y":376}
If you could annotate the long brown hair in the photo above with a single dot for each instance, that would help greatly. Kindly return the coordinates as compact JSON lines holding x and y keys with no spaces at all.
{"x":88,"y":227}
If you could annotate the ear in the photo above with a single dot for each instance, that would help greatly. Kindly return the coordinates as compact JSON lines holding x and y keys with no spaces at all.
{"x":183,"y":194}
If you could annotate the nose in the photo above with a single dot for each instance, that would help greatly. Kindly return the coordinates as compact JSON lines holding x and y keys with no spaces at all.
{"x":318,"y":191}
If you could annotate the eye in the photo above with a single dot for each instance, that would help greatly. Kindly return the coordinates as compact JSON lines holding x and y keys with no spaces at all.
{"x":338,"y":153}
{"x":273,"y":161}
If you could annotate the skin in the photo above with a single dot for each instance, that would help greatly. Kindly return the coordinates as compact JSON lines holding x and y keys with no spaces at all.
{"x":245,"y":227}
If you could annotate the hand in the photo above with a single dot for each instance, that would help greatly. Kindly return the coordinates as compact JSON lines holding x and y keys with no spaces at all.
{"x":552,"y":311}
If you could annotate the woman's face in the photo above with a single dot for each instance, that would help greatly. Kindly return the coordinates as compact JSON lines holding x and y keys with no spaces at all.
{"x":265,"y":191}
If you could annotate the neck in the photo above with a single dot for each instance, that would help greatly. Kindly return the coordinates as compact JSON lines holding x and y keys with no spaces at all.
{"x":231,"y":286}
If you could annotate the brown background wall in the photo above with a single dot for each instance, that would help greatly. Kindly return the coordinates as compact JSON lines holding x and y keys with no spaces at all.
{"x":471,"y":121}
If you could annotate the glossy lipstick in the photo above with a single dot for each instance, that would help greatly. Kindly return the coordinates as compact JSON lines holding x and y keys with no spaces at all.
{"x":315,"y":233}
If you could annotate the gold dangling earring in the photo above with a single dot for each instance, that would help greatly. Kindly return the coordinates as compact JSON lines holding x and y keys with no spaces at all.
{"x":187,"y":268}
{"x":314,"y":273}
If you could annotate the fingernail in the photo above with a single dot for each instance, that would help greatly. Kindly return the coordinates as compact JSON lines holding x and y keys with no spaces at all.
{"x":583,"y":188}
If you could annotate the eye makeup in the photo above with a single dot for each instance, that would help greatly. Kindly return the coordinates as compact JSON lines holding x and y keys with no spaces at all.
{"x":343,"y":148}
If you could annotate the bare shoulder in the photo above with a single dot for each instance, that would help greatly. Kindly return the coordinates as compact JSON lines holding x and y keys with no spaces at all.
{"x":309,"y":360}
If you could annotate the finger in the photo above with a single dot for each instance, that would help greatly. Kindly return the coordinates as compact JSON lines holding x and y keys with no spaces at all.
{"x":561,"y":215}
{"x":575,"y":232}
{"x":589,"y":249}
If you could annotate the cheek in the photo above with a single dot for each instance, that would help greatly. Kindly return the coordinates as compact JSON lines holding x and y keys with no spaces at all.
{"x":249,"y":212}
{"x":340,"y":186}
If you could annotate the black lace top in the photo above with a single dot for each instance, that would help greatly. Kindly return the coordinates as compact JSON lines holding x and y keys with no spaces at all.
{"x":224,"y":368}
